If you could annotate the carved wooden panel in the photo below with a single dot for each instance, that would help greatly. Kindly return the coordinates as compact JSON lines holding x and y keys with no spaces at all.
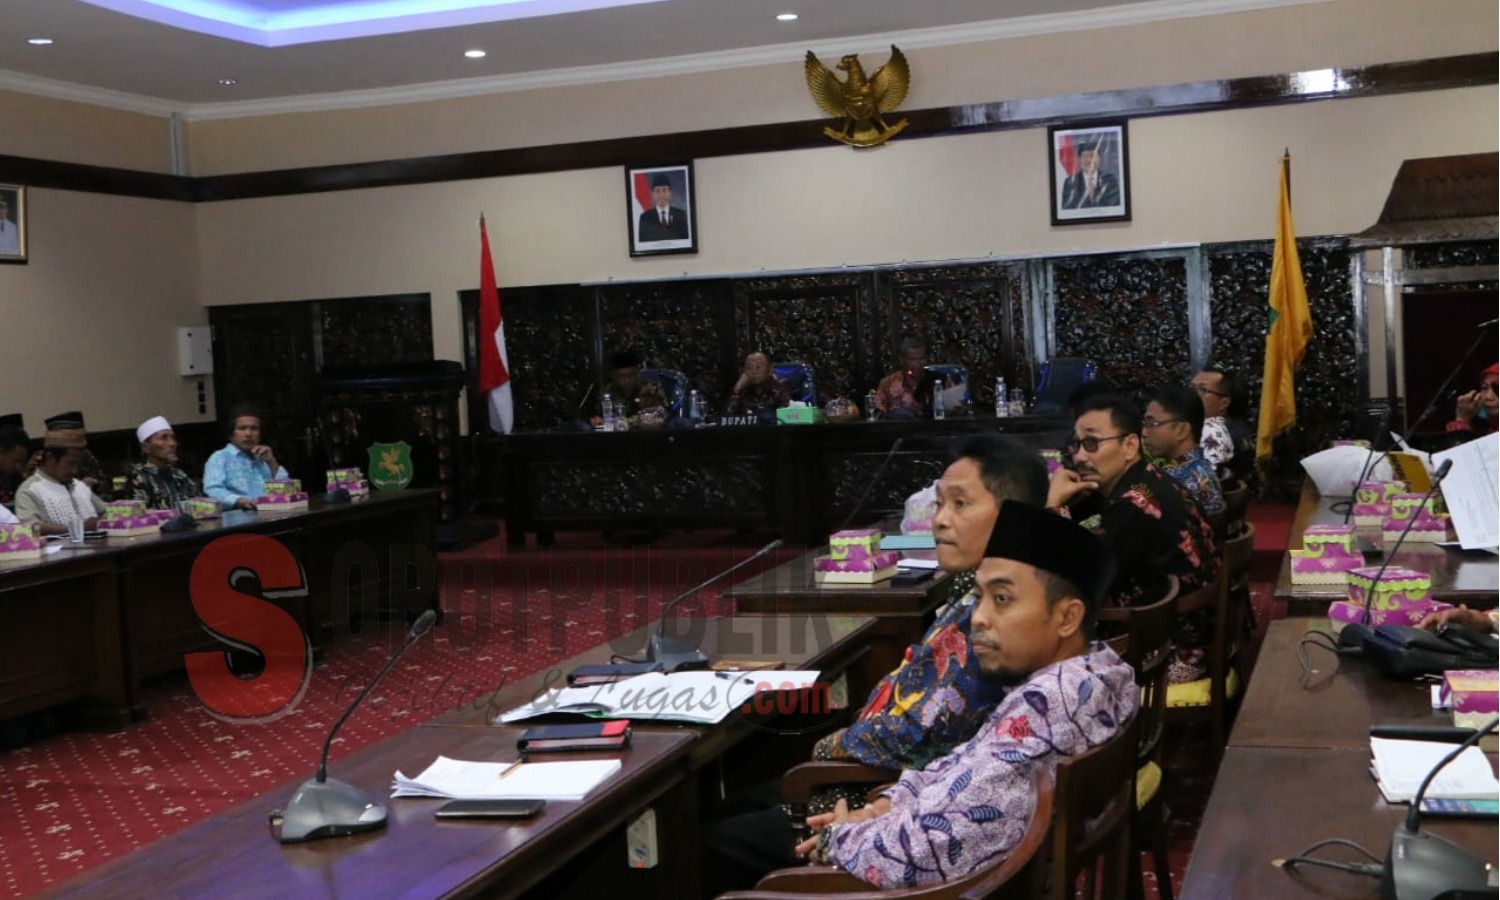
{"x":1442,"y":256}
{"x":263,"y":354}
{"x":372,"y":330}
{"x":971,"y":315}
{"x":813,"y":318}
{"x":849,"y":476}
{"x":1328,"y":390}
{"x":668,"y":488}
{"x":676,"y":325}
{"x":1127,"y":314}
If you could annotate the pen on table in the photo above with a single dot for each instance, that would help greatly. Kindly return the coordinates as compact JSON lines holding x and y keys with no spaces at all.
{"x":732,"y":675}
{"x":508,"y":769}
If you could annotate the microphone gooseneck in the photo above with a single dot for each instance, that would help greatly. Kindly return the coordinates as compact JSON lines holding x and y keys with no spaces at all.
{"x":1369,"y":460}
{"x":674,"y":655}
{"x":874,"y":480}
{"x":1437,"y":479}
{"x":1414,"y":815}
{"x":420,"y":627}
{"x":672,"y":604}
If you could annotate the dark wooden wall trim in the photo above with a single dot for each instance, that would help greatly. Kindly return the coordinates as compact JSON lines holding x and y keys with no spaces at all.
{"x":1441,"y":73}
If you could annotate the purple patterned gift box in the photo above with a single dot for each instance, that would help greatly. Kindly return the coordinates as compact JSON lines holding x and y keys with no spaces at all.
{"x":20,"y":542}
{"x":1343,"y":612}
{"x":857,"y":543}
{"x":203,"y":508}
{"x":1378,"y":491}
{"x":124,"y":509}
{"x":1329,"y":540}
{"x":1398,"y":588}
{"x":1371,"y":513}
{"x":881,"y":560}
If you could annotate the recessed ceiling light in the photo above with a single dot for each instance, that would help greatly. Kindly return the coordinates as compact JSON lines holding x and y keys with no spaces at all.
{"x":474,"y":54}
{"x":786,"y":17}
{"x":39,"y":42}
{"x":229,"y":82}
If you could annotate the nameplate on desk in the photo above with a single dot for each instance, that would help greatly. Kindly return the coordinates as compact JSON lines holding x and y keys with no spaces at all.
{"x":739,"y":420}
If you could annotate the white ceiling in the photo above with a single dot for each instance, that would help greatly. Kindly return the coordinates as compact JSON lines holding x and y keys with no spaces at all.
{"x":109,"y":56}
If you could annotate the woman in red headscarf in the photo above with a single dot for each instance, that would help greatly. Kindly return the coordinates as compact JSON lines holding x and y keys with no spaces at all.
{"x":1474,"y":412}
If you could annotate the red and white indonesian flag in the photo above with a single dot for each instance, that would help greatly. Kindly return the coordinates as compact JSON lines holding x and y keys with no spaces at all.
{"x":494,"y":362}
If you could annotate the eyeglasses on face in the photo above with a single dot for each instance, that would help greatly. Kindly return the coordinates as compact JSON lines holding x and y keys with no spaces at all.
{"x":1090,"y":443}
{"x":1152,"y":423}
{"x":1205,"y":389}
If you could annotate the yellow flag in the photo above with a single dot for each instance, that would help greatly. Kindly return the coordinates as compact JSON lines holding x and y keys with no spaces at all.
{"x":1291,"y":329}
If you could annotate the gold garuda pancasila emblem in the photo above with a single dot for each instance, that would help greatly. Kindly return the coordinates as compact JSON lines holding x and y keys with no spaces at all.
{"x":860,"y":101}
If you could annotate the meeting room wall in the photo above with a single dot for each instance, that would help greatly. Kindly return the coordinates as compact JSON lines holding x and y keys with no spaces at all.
{"x":89,"y":323}
{"x":62,"y":130}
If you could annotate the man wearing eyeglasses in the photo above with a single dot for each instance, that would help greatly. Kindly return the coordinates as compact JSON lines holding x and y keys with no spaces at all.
{"x":1150,"y":524}
{"x":1228,"y":443}
{"x":1474,"y":412}
{"x":1173,"y":422}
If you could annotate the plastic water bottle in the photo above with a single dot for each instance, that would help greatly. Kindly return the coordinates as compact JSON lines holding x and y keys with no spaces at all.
{"x":938,"y":412}
{"x":870,"y":406}
{"x":607,"y":405}
{"x":1002,"y":401}
{"x":695,"y":406}
{"x":1017,"y":402}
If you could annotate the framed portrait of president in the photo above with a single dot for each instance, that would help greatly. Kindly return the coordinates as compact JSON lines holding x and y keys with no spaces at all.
{"x":1090,"y":173}
{"x":660,"y":203}
{"x":12,"y":223}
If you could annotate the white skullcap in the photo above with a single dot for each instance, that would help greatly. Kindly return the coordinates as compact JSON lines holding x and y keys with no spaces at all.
{"x":151,"y":426}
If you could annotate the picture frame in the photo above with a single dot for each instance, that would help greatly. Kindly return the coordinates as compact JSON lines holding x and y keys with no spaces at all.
{"x":12,"y":223}
{"x":673,"y":229}
{"x":1102,"y":147}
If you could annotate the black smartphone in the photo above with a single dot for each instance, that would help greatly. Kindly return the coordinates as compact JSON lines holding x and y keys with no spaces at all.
{"x":489,"y":809}
{"x":907,"y":577}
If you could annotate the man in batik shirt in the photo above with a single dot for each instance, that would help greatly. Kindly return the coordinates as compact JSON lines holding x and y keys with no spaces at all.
{"x":1170,"y":430}
{"x":757,"y":388}
{"x":1038,"y":589}
{"x":1151,"y":526}
{"x":937,"y":697}
{"x":158,"y":481}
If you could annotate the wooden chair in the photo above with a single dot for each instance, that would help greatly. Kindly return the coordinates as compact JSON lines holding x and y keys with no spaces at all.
{"x":1091,"y":818}
{"x":1148,"y":649}
{"x":1020,"y":875}
{"x":1239,"y":550}
{"x":1219,"y":523}
{"x":1236,"y":500}
{"x":1223,"y":649}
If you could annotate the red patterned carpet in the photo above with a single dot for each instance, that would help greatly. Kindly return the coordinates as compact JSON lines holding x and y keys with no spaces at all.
{"x":77,"y":800}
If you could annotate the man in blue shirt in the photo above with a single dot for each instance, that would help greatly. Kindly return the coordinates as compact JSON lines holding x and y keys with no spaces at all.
{"x":236,"y":475}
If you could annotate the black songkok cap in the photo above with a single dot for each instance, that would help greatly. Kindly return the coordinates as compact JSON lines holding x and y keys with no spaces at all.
{"x":12,"y":420}
{"x":1044,"y":539}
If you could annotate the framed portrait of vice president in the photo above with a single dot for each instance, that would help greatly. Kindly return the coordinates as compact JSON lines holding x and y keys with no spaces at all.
{"x":1090,"y":173}
{"x":660,"y":204}
{"x":12,"y":223}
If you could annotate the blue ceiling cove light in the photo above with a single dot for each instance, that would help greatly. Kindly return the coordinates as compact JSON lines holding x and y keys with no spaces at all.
{"x":280,"y":23}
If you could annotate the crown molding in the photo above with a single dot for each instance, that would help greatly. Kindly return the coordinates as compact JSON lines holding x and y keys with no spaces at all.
{"x":944,"y":36}
{"x":80,"y":93}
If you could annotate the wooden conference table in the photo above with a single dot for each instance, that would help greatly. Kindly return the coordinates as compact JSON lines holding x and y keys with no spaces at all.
{"x":902,"y":612}
{"x":90,"y":624}
{"x":1296,"y":771}
{"x":1471,"y":577}
{"x":574,"y":848}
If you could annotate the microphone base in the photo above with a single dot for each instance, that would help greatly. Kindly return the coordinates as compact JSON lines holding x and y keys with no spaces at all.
{"x":674,"y":655}
{"x":1423,"y":866}
{"x":332,"y":808}
{"x":1352,"y":639}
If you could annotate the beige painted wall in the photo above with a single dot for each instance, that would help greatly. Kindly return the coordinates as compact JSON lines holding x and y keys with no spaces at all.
{"x":61,"y":130}
{"x":1207,"y":177}
{"x":90,"y":322}
{"x":1347,"y":33}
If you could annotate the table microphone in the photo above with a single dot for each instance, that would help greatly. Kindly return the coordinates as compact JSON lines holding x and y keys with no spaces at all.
{"x":326,"y":807}
{"x":1423,"y":866}
{"x":1352,"y":636}
{"x":1364,"y":470}
{"x":672,"y":654}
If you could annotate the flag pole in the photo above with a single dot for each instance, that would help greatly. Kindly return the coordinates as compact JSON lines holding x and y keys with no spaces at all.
{"x":1286,"y":162}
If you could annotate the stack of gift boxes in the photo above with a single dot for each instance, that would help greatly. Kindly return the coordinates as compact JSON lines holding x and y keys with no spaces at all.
{"x":1372,"y":502}
{"x":20,"y":542}
{"x":1431,"y":523}
{"x":1327,"y":555}
{"x":855,"y":557}
{"x":350,"y":480}
{"x":283,"y":495}
{"x":1398,"y":598}
{"x":131,"y":518}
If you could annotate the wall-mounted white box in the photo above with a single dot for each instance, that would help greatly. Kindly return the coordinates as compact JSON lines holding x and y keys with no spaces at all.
{"x":195,"y":351}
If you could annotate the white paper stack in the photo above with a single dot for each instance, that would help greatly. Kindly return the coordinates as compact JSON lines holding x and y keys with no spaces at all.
{"x":455,"y":779}
{"x":1400,"y":767}
{"x":703,"y":698}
